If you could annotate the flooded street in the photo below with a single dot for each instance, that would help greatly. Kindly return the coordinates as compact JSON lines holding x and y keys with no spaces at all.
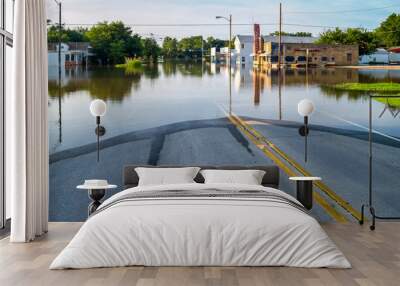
{"x":176,"y":113}
{"x":170,"y":93}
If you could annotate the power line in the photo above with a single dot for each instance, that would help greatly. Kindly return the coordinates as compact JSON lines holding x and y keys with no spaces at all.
{"x":223,"y":24}
{"x":175,"y":25}
{"x":342,"y":11}
{"x":209,"y":25}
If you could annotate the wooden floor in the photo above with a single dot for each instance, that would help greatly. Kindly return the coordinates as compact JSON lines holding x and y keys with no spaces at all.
{"x":375,"y":257}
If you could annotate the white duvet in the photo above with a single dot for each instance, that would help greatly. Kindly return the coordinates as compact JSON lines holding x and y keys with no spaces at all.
{"x":202,"y":232}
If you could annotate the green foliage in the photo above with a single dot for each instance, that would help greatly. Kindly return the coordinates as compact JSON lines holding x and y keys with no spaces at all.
{"x":383,"y":87}
{"x":117,"y":51}
{"x":134,"y":46}
{"x":389,"y":31}
{"x":212,"y":42}
{"x":386,"y":35}
{"x":170,"y":47}
{"x":151,"y":50}
{"x":190,"y":44}
{"x":366,"y":40}
{"x":189,"y":47}
{"x":112,"y":42}
{"x":130,"y":63}
{"x":132,"y":66}
{"x":296,"y":34}
{"x":67,"y":35}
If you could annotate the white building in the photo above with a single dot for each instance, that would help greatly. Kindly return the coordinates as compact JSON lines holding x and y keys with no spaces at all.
{"x":72,"y":54}
{"x":220,"y":55}
{"x":243,"y":49}
{"x":53,"y":54}
{"x":244,"y":45}
{"x":380,"y":56}
{"x":394,"y":58}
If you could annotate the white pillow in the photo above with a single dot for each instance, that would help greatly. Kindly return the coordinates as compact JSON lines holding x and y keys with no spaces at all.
{"x":248,"y":177}
{"x":165,"y":176}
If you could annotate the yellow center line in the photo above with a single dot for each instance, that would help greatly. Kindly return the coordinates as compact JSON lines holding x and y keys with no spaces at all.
{"x":319,"y":184}
{"x":317,"y":197}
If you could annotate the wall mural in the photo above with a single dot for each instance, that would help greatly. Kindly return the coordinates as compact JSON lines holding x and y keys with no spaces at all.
{"x":176,"y":113}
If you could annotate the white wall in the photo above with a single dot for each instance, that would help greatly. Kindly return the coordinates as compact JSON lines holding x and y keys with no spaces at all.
{"x":394,"y":58}
{"x":243,"y":53}
{"x":374,"y":58}
{"x":53,"y":59}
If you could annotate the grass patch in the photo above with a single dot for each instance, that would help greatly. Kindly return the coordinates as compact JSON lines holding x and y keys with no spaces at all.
{"x":384,"y":87}
{"x":130,"y":63}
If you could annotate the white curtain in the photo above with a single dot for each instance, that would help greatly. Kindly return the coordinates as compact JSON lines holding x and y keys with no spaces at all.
{"x":26,"y":122}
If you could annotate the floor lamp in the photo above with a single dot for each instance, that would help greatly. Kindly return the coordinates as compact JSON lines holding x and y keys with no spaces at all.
{"x":98,"y":108}
{"x":370,"y":202}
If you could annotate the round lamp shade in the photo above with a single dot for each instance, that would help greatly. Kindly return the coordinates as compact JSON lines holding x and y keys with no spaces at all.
{"x":305,"y":107}
{"x":98,"y":107}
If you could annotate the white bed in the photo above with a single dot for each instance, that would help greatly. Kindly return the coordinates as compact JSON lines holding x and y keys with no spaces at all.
{"x":200,"y":231}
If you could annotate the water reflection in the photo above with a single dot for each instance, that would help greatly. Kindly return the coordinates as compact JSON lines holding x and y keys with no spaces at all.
{"x":103,"y":83}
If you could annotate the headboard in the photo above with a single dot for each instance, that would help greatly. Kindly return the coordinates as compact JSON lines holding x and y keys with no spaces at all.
{"x":271,"y":177}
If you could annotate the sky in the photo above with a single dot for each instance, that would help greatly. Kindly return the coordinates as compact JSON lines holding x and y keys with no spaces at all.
{"x":305,"y":12}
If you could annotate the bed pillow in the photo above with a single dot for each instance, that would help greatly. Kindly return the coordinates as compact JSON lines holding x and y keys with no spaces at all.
{"x":165,"y":176}
{"x":247,"y":177}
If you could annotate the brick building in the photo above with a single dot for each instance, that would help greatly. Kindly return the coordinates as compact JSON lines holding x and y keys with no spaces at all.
{"x":303,"y":54}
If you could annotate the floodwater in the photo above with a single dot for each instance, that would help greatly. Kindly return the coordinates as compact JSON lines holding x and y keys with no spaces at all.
{"x":178,"y":92}
{"x":175,"y":113}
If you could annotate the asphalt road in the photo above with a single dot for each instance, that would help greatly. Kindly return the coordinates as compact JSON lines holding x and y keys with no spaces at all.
{"x":341,"y":159}
{"x":187,"y":143}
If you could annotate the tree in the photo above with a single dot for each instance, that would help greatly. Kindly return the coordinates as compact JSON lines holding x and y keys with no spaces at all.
{"x":67,"y":35}
{"x":217,"y":43}
{"x":117,"y":51}
{"x":389,"y":32}
{"x":191,"y":46}
{"x":134,"y":47}
{"x":367,"y":41}
{"x":112,"y":42}
{"x":151,"y":50}
{"x":77,"y":35}
{"x":170,"y":47}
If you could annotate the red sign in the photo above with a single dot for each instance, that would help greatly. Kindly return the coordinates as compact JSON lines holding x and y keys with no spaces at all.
{"x":256,"y":40}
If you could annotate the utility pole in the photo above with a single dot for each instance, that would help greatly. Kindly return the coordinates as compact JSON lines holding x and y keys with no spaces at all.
{"x":280,"y":38}
{"x":59,"y":36}
{"x":230,"y":39}
{"x":202,"y":55}
{"x":229,"y":59}
{"x":59,"y":69}
{"x":230,"y":65}
{"x":280,"y":62}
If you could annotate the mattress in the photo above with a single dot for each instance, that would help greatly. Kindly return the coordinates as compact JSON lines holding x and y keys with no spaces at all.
{"x":201,"y":225}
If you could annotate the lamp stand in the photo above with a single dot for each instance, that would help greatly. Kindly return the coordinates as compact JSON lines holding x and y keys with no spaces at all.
{"x":100,"y":131}
{"x":303,"y":131}
{"x":98,"y":137}
{"x":305,"y":138}
{"x":370,"y":203}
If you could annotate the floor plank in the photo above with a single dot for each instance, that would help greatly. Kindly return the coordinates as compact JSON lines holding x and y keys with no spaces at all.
{"x":375,"y":257}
